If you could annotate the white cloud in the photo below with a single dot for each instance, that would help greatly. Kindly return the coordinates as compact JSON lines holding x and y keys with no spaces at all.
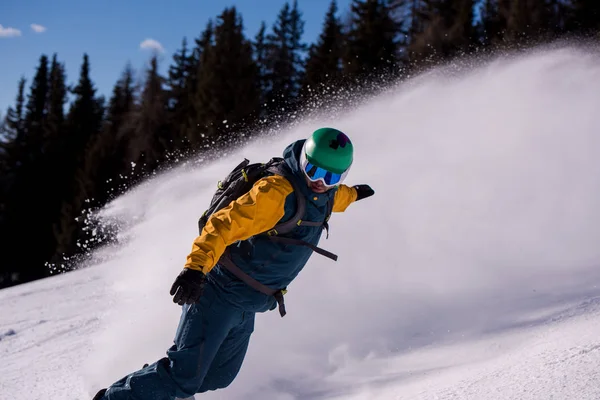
{"x":9,"y":32}
{"x":151,"y":44}
{"x":38,"y":28}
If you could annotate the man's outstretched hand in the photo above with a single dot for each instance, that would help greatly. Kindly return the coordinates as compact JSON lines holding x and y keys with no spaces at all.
{"x":363,"y":191}
{"x":188,"y":286}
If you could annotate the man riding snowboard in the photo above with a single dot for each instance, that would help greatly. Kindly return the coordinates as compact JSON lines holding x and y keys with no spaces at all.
{"x":247,"y":253}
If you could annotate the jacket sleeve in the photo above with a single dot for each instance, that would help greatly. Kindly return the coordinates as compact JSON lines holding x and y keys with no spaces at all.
{"x":344,"y":196}
{"x":255,"y":212}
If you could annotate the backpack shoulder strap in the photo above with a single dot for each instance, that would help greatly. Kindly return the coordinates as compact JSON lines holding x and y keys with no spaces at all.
{"x":288,"y":226}
{"x":296,"y":220}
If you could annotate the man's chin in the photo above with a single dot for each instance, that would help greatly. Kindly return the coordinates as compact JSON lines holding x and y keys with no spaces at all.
{"x":318,"y":188}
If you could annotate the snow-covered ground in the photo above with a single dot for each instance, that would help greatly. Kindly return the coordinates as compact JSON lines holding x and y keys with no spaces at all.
{"x":473,"y":273}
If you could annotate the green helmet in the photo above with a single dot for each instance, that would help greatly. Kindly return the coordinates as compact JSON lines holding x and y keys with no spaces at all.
{"x":329,"y":149}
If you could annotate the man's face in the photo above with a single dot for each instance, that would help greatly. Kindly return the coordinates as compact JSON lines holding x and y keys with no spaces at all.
{"x":317,"y":187}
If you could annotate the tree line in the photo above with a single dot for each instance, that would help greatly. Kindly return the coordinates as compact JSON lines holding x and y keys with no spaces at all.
{"x":60,"y":160}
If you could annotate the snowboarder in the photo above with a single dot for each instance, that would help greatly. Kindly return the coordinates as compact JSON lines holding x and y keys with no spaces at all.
{"x":245,"y":256}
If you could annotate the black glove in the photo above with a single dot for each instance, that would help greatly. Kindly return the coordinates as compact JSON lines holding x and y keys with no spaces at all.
{"x":188,"y":286}
{"x":363,"y":191}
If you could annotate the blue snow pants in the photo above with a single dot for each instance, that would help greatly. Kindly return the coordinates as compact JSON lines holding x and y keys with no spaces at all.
{"x":209,"y":348}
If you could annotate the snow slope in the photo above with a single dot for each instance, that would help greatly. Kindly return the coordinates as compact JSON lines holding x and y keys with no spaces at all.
{"x":471,"y":274}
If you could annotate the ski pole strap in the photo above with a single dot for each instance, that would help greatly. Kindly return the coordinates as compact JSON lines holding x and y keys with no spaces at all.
{"x":226,"y":262}
{"x":298,"y":242}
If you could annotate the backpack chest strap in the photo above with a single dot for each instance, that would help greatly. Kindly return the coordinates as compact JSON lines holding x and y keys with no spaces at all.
{"x":309,"y":223}
{"x":298,"y":242}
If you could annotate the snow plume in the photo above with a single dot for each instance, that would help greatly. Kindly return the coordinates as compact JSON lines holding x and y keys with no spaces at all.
{"x":484,"y":219}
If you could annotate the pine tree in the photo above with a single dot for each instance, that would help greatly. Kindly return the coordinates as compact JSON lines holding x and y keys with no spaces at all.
{"x":106,"y":163}
{"x":584,"y":17}
{"x":412,"y":15}
{"x":260,"y":58}
{"x":14,"y":121}
{"x":204,"y":42}
{"x":284,"y":59}
{"x":528,"y":22}
{"x":179,"y":101}
{"x":12,"y":133}
{"x":518,"y":21}
{"x":21,"y":206}
{"x":55,"y":140}
{"x":151,"y":137}
{"x":85,"y":115}
{"x":120,"y":129}
{"x":193,"y":135}
{"x":324,"y":63}
{"x":228,"y":93}
{"x":84,"y":122}
{"x":57,"y":98}
{"x":491,"y":25}
{"x":53,"y":172}
{"x":35,"y":115}
{"x":297,"y":46}
{"x":446,"y":30}
{"x":372,"y":40}
{"x":13,"y":138}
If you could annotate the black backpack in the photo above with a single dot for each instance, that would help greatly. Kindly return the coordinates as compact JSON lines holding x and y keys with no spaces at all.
{"x":239,"y":182}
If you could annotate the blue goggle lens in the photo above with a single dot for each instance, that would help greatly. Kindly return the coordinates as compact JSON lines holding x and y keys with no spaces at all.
{"x":314,"y":173}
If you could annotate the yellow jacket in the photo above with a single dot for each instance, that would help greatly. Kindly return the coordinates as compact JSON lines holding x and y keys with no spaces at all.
{"x":253,"y":213}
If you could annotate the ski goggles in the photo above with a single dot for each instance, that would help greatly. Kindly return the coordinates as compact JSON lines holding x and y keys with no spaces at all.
{"x":315,"y":173}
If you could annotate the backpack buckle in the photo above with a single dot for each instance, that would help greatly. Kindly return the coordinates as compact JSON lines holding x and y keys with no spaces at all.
{"x":272,"y":232}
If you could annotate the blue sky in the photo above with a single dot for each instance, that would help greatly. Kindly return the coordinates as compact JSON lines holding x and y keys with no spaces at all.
{"x":111,"y":32}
